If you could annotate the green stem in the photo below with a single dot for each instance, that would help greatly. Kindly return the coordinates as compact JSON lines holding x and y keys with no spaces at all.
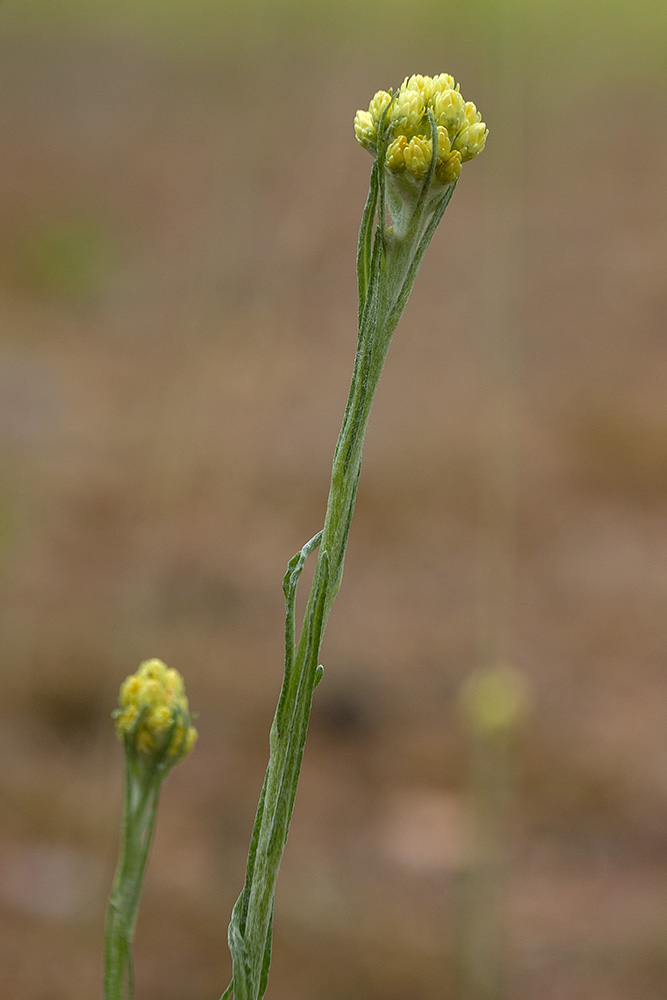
{"x":386,"y":268}
{"x":142,"y":791}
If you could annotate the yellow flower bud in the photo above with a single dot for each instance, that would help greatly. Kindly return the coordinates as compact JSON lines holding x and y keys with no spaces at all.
{"x":444,"y":145}
{"x":153,"y":717}
{"x":443,"y":82}
{"x":159,"y":719}
{"x":448,"y":169}
{"x":366,"y":122}
{"x":130,"y":687}
{"x":380,"y":101}
{"x":471,"y":140}
{"x":407,"y":111}
{"x":472,"y":115}
{"x":174,"y":682}
{"x":395,"y":158}
{"x":449,"y":110}
{"x":422,"y":84}
{"x":365,"y":129}
{"x":418,"y":154}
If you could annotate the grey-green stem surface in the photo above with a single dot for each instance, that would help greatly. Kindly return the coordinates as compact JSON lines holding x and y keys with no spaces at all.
{"x":387,"y":264}
{"x":142,"y":790}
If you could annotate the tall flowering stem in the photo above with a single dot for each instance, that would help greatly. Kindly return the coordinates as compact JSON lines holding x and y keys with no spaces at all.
{"x":419,"y":137}
{"x":154,"y":724}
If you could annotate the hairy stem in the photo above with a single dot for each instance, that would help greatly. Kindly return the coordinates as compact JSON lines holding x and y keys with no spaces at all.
{"x":386,"y":269}
{"x":142,"y":791}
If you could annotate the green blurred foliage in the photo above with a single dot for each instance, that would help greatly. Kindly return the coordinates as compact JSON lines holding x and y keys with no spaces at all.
{"x":68,"y":258}
{"x":615,"y":38}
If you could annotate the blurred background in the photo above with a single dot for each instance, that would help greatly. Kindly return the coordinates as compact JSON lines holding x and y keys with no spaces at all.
{"x":179,"y":200}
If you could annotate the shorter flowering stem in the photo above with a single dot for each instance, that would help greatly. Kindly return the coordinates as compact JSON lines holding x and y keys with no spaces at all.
{"x":142,"y":792}
{"x":155,"y":726}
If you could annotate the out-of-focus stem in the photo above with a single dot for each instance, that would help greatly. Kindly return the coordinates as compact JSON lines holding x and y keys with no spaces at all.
{"x":494,"y":704}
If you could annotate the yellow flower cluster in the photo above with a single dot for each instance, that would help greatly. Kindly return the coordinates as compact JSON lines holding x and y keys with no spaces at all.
{"x":461,"y":131}
{"x":154,"y":711}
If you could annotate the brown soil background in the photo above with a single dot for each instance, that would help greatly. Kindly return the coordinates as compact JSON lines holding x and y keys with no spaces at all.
{"x":178,"y":309}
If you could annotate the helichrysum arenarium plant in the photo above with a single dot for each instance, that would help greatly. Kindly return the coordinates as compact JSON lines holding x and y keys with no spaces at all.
{"x":419,"y":137}
{"x":154,"y":724}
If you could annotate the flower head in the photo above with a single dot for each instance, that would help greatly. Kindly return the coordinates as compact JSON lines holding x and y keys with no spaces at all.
{"x":154,"y":717}
{"x":366,"y":122}
{"x":407,"y":127}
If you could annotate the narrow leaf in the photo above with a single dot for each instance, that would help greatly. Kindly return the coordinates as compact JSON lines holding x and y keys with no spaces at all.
{"x":365,"y":241}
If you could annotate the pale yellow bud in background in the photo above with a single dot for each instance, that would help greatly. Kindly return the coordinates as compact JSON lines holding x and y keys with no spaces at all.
{"x":495,"y":701}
